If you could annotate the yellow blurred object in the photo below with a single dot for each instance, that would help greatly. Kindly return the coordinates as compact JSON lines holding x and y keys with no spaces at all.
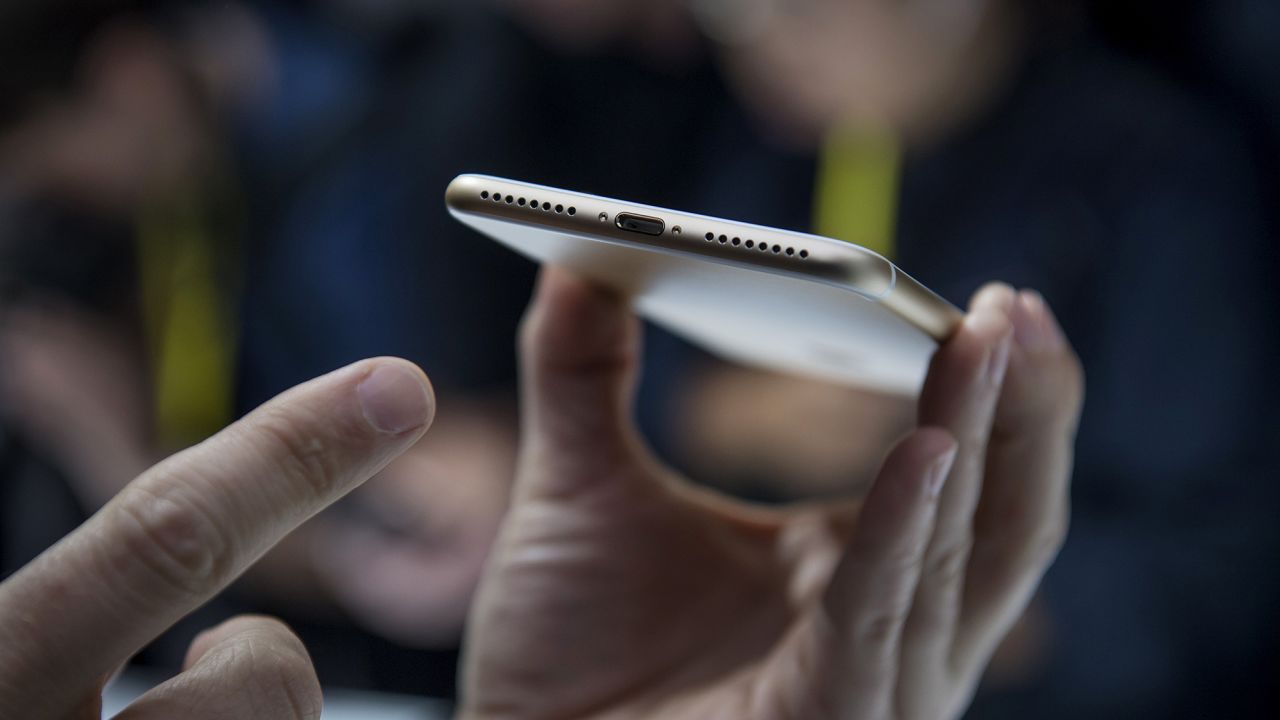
{"x":856,"y":197}
{"x":188,"y":324}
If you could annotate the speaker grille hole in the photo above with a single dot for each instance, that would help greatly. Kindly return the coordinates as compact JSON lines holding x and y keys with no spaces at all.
{"x":559,"y":209}
{"x":484,"y":194}
{"x":520,"y":202}
{"x":712,"y":237}
{"x":573,"y":210}
{"x":546,"y":206}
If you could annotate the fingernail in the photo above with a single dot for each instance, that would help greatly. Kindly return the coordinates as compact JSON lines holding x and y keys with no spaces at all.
{"x":1026,"y":325}
{"x":989,"y":323}
{"x":394,"y":399}
{"x":940,"y":470}
{"x":1034,"y":328}
{"x":1053,"y":335}
{"x":997,"y":296}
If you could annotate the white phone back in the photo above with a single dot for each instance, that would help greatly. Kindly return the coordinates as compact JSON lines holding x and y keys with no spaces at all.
{"x":750,"y":315}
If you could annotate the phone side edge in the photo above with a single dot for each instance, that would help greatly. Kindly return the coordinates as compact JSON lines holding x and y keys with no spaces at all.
{"x":832,"y":262}
{"x":922,"y":307}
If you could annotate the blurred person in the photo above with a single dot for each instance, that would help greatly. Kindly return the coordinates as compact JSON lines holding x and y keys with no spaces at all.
{"x":105,"y":161}
{"x":117,"y":244}
{"x":120,"y":234}
{"x":835,"y":87}
{"x":122,"y":269}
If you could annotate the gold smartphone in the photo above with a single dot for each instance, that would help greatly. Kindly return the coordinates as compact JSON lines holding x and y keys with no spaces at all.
{"x":763,"y":297}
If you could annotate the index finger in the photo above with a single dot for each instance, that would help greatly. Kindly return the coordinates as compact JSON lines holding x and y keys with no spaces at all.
{"x":189,"y":526}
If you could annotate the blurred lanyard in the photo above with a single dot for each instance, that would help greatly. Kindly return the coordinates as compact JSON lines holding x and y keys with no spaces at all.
{"x":856,"y":196}
{"x":188,"y":323}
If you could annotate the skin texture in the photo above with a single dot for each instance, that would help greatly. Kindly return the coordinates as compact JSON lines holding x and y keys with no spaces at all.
{"x":617,"y":590}
{"x":179,"y":534}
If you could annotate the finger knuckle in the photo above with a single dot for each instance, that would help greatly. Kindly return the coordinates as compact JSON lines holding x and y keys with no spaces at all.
{"x":881,"y":629}
{"x":308,"y":461}
{"x":290,"y":679}
{"x":903,"y":561}
{"x":1036,"y":547}
{"x":284,"y":663}
{"x":947,"y":566}
{"x":176,"y":542}
{"x":273,"y":663}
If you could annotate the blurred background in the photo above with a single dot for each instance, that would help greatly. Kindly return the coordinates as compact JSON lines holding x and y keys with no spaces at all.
{"x":204,"y":203}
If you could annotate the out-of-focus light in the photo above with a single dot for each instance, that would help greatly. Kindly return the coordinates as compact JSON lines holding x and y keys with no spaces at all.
{"x":734,"y":22}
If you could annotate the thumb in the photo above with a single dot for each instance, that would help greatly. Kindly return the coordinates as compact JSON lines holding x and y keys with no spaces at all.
{"x":578,"y":349}
{"x":247,"y":668}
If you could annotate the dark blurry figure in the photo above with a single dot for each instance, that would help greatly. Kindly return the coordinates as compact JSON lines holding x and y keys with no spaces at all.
{"x":105,"y":156}
{"x":117,"y":260}
{"x":123,"y":269}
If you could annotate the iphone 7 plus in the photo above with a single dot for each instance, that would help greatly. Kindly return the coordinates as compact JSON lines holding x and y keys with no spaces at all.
{"x":759,"y":296}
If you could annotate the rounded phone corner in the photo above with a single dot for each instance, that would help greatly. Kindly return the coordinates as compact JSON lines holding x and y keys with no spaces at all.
{"x":462,"y":194}
{"x":860,"y":270}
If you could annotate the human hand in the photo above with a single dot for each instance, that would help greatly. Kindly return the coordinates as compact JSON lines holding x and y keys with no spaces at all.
{"x":179,"y":534}
{"x":617,"y":590}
